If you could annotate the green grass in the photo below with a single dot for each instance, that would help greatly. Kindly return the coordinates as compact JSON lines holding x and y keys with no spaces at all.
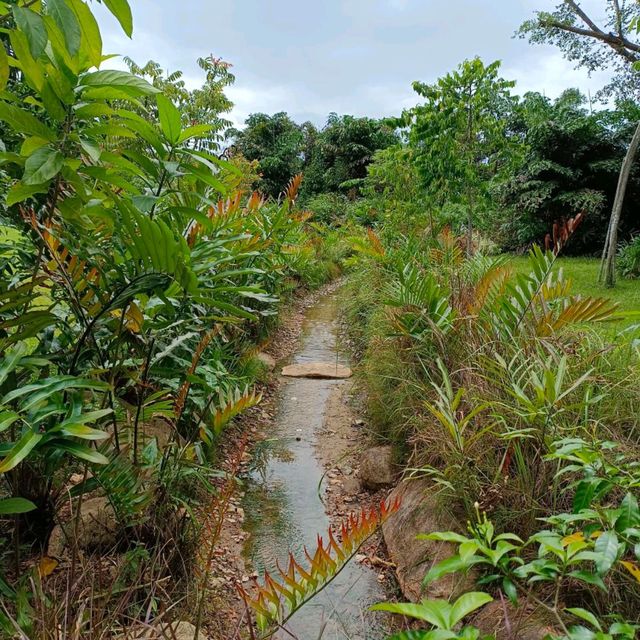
{"x":583,"y":273}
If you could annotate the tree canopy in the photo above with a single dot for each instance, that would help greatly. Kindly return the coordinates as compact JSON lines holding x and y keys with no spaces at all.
{"x":572,"y":159}
{"x":460,"y":134}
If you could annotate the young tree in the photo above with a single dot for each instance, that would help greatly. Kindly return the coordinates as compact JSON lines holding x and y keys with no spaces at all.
{"x":459,"y":135}
{"x":613,"y":44}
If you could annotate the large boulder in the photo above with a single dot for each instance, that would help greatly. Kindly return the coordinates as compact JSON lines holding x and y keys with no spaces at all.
{"x":317,"y":370}
{"x":97,"y":529}
{"x":376,"y":468}
{"x":418,"y":513}
{"x":506,"y":622}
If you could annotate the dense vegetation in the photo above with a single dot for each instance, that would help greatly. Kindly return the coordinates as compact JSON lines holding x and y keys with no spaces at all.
{"x":146,"y":248}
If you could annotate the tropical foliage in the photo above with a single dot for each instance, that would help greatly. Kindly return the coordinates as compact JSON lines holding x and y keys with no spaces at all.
{"x":495,"y":386}
{"x":147,"y":248}
{"x":133,"y":282}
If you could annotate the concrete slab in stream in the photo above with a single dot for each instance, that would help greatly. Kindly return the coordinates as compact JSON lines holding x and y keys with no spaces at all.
{"x":317,"y":370}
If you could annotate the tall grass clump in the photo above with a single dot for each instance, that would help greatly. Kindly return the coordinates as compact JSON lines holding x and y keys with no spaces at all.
{"x":481,"y":375}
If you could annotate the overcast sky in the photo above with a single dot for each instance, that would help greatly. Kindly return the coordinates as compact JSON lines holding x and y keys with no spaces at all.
{"x":349,"y":56}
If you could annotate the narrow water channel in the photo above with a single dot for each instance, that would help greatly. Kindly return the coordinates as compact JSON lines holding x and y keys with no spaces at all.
{"x":282,"y":502}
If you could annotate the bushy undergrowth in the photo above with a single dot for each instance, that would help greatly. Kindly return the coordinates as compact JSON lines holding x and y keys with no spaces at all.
{"x":500,"y":388}
{"x":134,"y":287}
{"x":628,"y":263}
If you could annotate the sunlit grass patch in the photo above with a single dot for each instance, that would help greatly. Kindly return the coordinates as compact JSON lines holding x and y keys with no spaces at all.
{"x":583,"y":273}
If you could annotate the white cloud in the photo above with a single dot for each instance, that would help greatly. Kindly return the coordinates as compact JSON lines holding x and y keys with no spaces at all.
{"x":347,"y":56}
{"x":550,"y":74}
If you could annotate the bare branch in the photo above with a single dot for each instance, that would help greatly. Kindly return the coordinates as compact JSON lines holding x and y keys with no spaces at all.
{"x":585,"y":18}
{"x":620,"y":45}
{"x":616,"y":6}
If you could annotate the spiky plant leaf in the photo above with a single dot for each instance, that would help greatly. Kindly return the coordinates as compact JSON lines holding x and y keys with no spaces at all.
{"x":279,"y":597}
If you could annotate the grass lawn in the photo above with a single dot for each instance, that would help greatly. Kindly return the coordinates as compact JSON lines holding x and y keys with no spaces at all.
{"x":583,"y":272}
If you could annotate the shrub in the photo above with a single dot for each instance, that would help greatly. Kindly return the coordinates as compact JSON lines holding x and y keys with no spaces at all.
{"x":628,"y":261}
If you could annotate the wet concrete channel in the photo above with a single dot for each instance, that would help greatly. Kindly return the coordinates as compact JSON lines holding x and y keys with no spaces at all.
{"x":282,"y":503}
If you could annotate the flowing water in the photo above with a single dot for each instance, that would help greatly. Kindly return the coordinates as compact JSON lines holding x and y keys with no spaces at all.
{"x":282,"y":502}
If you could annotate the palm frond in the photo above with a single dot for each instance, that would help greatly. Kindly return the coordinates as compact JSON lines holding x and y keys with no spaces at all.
{"x":278,"y":598}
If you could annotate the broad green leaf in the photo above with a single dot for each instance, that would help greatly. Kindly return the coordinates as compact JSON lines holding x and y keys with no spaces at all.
{"x":444,"y":536}
{"x":203,"y":173}
{"x":11,"y":506}
{"x":510,"y":590}
{"x":586,"y":616}
{"x":82,"y":431}
{"x":91,"y":41}
{"x":578,"y":632}
{"x":92,"y":110}
{"x":20,"y":192}
{"x":61,"y":86}
{"x":11,"y":158}
{"x":42,"y":389}
{"x":606,"y":548}
{"x":111,"y":78}
{"x":31,"y":144}
{"x":589,"y":578}
{"x":23,"y":122}
{"x":450,"y":565}
{"x":122,"y":13}
{"x":4,"y":68}
{"x":79,"y":451}
{"x":32,"y":25}
{"x":195,"y":131}
{"x":20,"y":450}
{"x":42,"y":165}
{"x":52,"y":105}
{"x":7,"y":418}
{"x":583,"y":495}
{"x":432,"y":611}
{"x":67,"y":22}
{"x":170,"y":121}
{"x":467,"y":603}
{"x":32,"y":70}
{"x":92,"y":150}
{"x":61,"y":54}
{"x":630,"y":513}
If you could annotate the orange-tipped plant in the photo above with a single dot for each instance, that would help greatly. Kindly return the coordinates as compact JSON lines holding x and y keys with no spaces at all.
{"x":278,"y":598}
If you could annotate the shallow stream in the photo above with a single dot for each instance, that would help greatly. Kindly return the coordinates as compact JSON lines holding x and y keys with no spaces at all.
{"x":282,"y":502}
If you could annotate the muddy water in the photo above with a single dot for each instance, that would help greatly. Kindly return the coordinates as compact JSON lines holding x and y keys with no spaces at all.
{"x":282,"y":501}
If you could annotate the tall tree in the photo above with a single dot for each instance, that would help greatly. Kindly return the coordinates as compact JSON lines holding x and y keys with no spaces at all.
{"x":459,"y":135}
{"x":611,"y":44}
{"x":339,"y":154}
{"x":570,"y":166}
{"x":205,"y":106}
{"x":277,"y":143}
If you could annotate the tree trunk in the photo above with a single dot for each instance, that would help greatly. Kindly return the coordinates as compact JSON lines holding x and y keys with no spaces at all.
{"x":611,"y":245}
{"x":603,"y":259}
